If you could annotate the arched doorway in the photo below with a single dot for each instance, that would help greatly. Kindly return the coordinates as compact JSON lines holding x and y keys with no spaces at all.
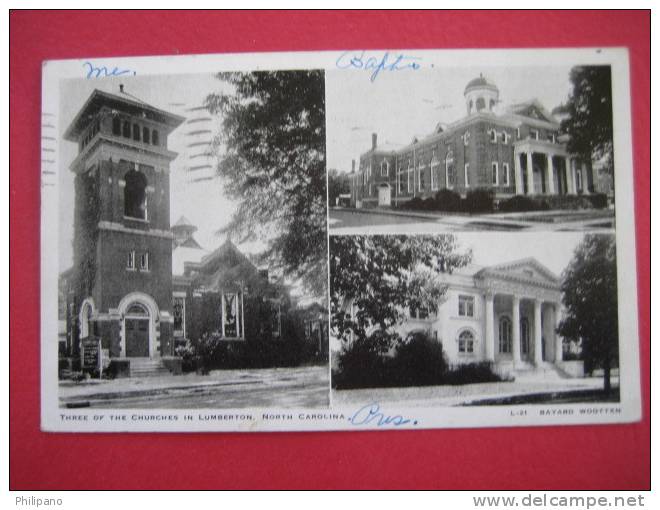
{"x":139,"y":316}
{"x":136,"y":331}
{"x":384,"y":195}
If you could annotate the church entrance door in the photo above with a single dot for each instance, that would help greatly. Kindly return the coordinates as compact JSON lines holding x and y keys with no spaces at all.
{"x":137,"y":338}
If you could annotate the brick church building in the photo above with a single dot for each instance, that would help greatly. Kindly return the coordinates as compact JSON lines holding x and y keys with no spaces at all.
{"x":516,"y":152}
{"x":124,"y":290}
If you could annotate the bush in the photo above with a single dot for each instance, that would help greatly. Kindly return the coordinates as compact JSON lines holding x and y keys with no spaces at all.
{"x":448,"y":200}
{"x":479,"y":201}
{"x":416,"y":204}
{"x":566,"y":202}
{"x":598,"y":200}
{"x":418,"y":361}
{"x":471,"y":373}
{"x":521,"y":203}
{"x":364,"y":364}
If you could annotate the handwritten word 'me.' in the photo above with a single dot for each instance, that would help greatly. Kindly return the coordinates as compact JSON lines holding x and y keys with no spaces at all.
{"x":104,"y":72}
{"x":371,"y":415}
{"x":376,"y":64}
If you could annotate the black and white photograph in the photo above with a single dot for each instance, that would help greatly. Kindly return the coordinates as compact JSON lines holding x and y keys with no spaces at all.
{"x":338,"y":240}
{"x":506,"y":148}
{"x":192,"y":252}
{"x":462,"y":319}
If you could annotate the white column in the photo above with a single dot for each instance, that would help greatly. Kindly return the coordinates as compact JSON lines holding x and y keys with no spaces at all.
{"x":585,"y":179}
{"x":570,"y":178}
{"x":551,"y":174}
{"x":515,"y":330}
{"x":559,"y":351}
{"x":518,"y":170}
{"x":490,"y":330}
{"x":530,"y":175}
{"x":538,"y":333}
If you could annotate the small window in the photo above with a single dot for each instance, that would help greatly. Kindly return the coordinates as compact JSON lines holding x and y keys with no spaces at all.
{"x":466,"y":138}
{"x":145,"y":135}
{"x":179,"y":314}
{"x":467,"y":175}
{"x":420,"y":177}
{"x":505,"y":171}
{"x":518,"y":133}
{"x":154,"y":137}
{"x":466,"y":342}
{"x":534,"y":134}
{"x":126,"y":131}
{"x":144,"y":262}
{"x":493,"y":136}
{"x":130,"y":260}
{"x":466,"y":306}
{"x":136,"y":132}
{"x":410,"y":169}
{"x":116,"y":126}
{"x":505,"y":137}
{"x":384,"y":169}
{"x":494,"y":174}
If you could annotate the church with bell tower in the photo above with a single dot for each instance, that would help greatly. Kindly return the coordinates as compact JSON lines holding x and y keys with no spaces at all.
{"x":121,"y":282}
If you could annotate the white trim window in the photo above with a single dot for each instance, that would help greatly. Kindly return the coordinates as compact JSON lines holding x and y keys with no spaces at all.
{"x":534,"y":134}
{"x":130,"y":261}
{"x":518,"y":133}
{"x":179,"y":314}
{"x":578,"y":179}
{"x":144,"y":261}
{"x":494,"y":170}
{"x":466,"y":342}
{"x":434,"y":166}
{"x":505,"y":137}
{"x":420,"y":178}
{"x":410,"y":169}
{"x":505,"y":171}
{"x":466,"y":171}
{"x":492,"y":135}
{"x":449,"y":170}
{"x":466,"y":138}
{"x":505,"y":338}
{"x":465,"y":306}
{"x":384,"y":168}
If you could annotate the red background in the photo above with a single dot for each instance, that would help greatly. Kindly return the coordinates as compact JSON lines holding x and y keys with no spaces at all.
{"x":571,"y":457}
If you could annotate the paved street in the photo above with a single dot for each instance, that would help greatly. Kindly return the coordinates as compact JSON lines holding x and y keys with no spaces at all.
{"x":274,"y":387}
{"x":353,"y":221}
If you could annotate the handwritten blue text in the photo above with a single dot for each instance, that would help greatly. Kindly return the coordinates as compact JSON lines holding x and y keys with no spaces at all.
{"x":371,"y":414}
{"x":376,"y":64}
{"x":104,"y":72}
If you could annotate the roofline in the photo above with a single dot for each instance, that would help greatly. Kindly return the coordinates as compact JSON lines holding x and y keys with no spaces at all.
{"x":175,"y":120}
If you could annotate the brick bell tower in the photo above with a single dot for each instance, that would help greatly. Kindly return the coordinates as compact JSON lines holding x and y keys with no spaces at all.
{"x":122,"y":283}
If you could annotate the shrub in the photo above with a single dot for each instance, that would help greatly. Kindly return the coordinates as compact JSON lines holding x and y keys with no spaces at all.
{"x":598,"y":200}
{"x":447,"y":200}
{"x":479,"y":201}
{"x":364,"y":364}
{"x":418,"y":361}
{"x":521,"y":203}
{"x":566,"y":202}
{"x":187,"y":354}
{"x":416,"y":204}
{"x":471,"y":373}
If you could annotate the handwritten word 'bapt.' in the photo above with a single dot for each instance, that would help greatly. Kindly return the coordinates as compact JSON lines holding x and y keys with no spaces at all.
{"x":376,"y":64}
{"x":105,"y":72}
{"x":372,"y":415}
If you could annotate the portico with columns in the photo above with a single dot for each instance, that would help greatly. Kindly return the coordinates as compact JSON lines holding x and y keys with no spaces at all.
{"x":546,"y":168}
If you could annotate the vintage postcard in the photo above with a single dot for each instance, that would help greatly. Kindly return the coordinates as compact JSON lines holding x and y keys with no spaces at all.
{"x":393,"y":239}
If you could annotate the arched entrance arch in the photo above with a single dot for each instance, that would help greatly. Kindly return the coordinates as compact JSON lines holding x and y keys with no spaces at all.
{"x":139,"y":316}
{"x":85,"y":318}
{"x":384,"y":195}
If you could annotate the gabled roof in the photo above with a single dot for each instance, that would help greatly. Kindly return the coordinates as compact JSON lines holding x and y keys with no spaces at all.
{"x":125,"y":103}
{"x":527,"y":269}
{"x":532,"y":109}
{"x":183,"y":222}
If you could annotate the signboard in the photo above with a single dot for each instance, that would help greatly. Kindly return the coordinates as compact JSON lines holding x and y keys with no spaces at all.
{"x":91,"y":353}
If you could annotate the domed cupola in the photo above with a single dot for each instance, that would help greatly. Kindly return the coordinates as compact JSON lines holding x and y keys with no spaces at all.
{"x":481,"y":95}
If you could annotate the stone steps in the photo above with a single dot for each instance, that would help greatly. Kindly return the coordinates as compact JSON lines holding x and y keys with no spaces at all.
{"x":147,"y":368}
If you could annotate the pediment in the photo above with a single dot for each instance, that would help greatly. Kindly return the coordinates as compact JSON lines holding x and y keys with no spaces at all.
{"x":530,"y":270}
{"x":534,"y":110}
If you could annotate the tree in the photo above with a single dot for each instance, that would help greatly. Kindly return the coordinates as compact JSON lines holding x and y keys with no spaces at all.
{"x":382,"y":276}
{"x":272,"y":158}
{"x":590,"y":298}
{"x":589,"y":120}
{"x":337,"y":185}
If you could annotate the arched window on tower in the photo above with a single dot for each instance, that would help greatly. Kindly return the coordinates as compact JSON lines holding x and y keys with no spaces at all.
{"x":135,"y":195}
{"x":481,"y":104}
